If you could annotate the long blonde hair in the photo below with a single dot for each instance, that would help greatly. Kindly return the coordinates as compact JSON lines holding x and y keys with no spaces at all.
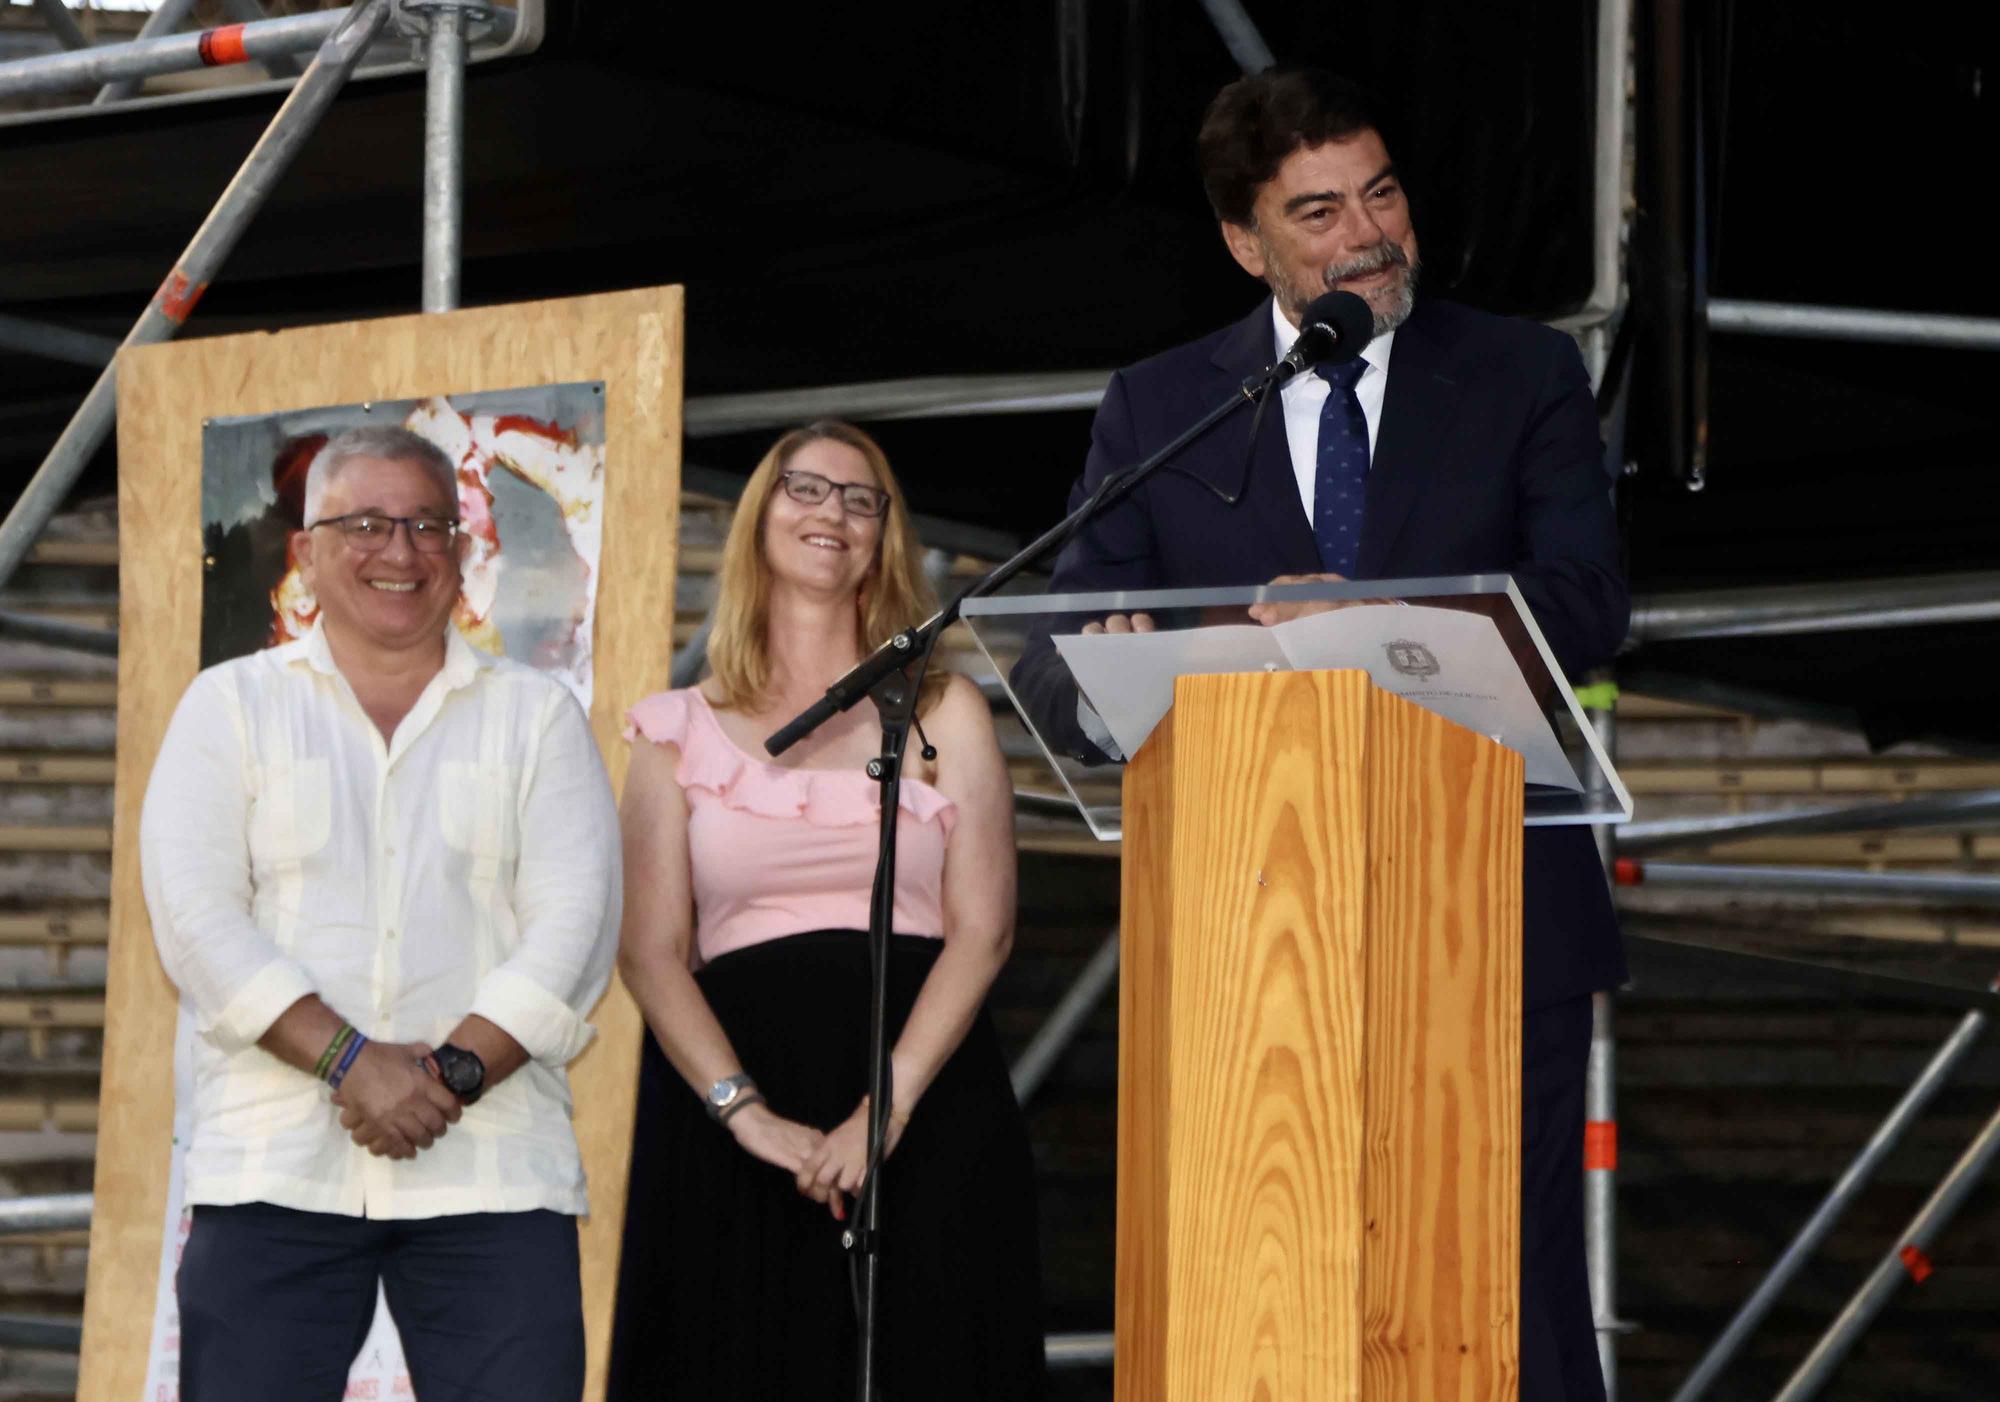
{"x":894,"y":595}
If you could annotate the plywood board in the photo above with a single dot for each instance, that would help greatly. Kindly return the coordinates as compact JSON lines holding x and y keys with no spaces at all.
{"x":629,"y":340}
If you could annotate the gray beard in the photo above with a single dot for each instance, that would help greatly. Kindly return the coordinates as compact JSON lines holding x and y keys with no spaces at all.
{"x":1391,"y":306}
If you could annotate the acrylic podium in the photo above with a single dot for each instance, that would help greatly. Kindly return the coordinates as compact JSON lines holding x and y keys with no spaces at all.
{"x":1320,"y":988}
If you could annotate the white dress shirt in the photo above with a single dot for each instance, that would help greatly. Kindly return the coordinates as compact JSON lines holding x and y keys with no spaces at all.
{"x":471,"y":865}
{"x":1305,"y":396}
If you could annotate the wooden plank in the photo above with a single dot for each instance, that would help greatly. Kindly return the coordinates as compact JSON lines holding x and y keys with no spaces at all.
{"x":1832,"y":776}
{"x":43,"y":1011}
{"x":67,"y":837}
{"x":1676,"y":778}
{"x":57,"y":691}
{"x":58,"y":768}
{"x":629,"y":340}
{"x":42,"y":1241}
{"x":1840,"y":849}
{"x":31,"y":1114}
{"x":55,"y":927}
{"x":73,"y":552}
{"x":1877,"y":776}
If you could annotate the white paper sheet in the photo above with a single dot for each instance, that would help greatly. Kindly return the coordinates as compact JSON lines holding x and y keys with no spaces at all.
{"x":1447,"y":661}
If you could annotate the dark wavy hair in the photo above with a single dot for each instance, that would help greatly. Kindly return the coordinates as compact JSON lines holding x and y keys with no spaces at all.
{"x":1257,"y":121}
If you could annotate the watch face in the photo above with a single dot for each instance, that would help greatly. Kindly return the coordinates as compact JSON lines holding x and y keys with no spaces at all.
{"x":462,"y":1073}
{"x":721,"y":1093}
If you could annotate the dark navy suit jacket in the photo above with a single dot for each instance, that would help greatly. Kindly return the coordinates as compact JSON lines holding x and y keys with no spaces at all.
{"x":1487,"y":460}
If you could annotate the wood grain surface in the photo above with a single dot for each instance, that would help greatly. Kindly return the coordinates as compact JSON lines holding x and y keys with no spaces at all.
{"x":1145,"y":968}
{"x":1318,"y":1188}
{"x":629,"y":340}
{"x":1442,"y":1178}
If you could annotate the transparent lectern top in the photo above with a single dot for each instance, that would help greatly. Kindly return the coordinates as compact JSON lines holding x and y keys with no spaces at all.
{"x":1465,"y":647}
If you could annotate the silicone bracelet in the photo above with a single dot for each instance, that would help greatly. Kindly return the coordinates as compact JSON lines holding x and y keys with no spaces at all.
{"x":339,"y":1072}
{"x":332,"y":1050}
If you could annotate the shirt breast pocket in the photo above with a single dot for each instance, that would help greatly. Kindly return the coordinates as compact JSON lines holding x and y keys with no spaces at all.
{"x":292,"y":816}
{"x":476,"y":809}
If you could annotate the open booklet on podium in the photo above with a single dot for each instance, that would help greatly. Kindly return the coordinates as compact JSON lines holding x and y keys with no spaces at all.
{"x":1465,"y":647}
{"x":1320,"y":977}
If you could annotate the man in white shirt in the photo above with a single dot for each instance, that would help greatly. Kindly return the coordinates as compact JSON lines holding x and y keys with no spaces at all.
{"x":383,"y":871}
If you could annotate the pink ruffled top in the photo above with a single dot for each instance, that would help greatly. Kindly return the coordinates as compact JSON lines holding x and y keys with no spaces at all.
{"x":779,"y":851}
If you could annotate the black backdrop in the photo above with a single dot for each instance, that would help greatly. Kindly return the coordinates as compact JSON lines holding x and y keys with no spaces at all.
{"x":931,"y":188}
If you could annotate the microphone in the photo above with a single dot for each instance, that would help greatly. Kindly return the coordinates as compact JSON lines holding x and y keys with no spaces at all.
{"x":1335,"y":328}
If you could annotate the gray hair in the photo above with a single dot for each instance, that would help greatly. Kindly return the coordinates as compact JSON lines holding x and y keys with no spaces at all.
{"x":385,"y":441}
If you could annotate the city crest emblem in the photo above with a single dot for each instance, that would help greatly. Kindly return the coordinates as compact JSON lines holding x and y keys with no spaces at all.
{"x":1412,"y":659}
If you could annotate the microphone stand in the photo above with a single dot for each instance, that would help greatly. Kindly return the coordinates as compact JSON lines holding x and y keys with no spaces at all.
{"x":891,"y":677}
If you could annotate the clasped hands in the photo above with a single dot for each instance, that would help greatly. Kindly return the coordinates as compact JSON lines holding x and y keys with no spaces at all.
{"x":829,"y":1167}
{"x":1269,"y":614}
{"x":392,"y":1102}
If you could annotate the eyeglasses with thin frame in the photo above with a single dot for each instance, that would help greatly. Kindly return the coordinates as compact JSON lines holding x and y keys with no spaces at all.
{"x":810,"y":489}
{"x":369,"y":531}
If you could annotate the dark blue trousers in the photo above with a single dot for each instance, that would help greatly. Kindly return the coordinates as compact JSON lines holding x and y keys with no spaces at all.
{"x":275,"y":1304}
{"x":1558,"y":1332}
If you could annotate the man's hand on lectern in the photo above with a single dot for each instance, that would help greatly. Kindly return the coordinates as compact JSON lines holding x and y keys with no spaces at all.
{"x":1270,"y":614}
{"x":1122,"y":623}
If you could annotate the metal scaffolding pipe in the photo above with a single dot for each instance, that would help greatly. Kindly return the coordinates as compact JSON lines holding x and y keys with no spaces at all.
{"x":1949,"y":888}
{"x":1600,"y":1112}
{"x":1908,"y":1259}
{"x":1817,"y":608}
{"x":58,"y":1212}
{"x":173,"y":53}
{"x":18,"y":333}
{"x":1239,"y":34}
{"x":1065,"y":1020}
{"x":56,"y":15}
{"x":693,"y":656}
{"x":444,"y":151}
{"x":1790,"y":319}
{"x":1077,"y":1350}
{"x":1886,"y":1136}
{"x":46,"y":1334}
{"x":1600,"y":1182}
{"x":249,"y":12}
{"x":934,"y":397}
{"x":77,"y":637}
{"x":205,"y":254}
{"x":164,"y":20}
{"x":1923,"y":811}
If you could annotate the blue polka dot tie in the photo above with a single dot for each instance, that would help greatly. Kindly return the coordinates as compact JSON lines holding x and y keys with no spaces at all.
{"x":1341,"y":487}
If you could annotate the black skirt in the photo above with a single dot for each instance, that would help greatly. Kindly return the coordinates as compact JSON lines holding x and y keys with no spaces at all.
{"x":734,"y":1288}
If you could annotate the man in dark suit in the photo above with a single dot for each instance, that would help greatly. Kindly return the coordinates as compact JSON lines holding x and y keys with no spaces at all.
{"x":1459,"y":443}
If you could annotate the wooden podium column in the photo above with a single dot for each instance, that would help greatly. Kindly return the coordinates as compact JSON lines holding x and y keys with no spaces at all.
{"x":1319,"y":1122}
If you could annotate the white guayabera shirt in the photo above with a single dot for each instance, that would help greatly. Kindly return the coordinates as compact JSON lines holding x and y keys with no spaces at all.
{"x":469,"y":866}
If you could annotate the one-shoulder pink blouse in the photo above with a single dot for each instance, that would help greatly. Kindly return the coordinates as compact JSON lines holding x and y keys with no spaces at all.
{"x":779,"y":851}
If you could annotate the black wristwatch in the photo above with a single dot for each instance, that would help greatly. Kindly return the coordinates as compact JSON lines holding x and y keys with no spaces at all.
{"x":462,"y":1072}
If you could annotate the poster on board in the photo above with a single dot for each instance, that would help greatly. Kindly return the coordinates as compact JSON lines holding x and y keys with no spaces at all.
{"x":530,"y":468}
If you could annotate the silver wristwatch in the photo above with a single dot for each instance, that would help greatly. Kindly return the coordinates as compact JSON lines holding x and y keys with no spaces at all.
{"x":729,"y":1095}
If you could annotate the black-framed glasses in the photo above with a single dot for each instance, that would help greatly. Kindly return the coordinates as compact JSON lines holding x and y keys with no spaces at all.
{"x":811,"y":489}
{"x":370,"y":530}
